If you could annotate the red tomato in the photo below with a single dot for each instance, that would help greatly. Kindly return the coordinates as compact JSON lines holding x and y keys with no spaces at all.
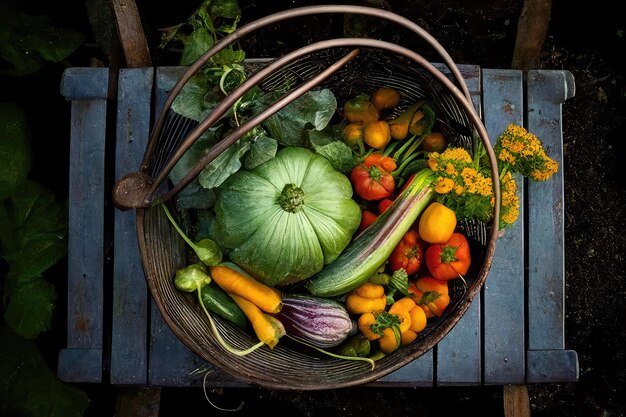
{"x":367,"y":218}
{"x":384,"y":205}
{"x":408,"y":254}
{"x":372,"y":183}
{"x":449,"y":260}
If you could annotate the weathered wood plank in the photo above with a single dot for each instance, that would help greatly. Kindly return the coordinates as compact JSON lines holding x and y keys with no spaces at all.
{"x":85,"y":237}
{"x":129,"y":345}
{"x":85,"y":83}
{"x":459,"y":353}
{"x":548,"y":361}
{"x":552,"y":366}
{"x":504,"y":292}
{"x":547,"y":90}
{"x":418,"y":373}
{"x":130,"y":32}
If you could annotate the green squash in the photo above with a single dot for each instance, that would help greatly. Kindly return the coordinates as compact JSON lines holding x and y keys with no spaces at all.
{"x":287,"y":218}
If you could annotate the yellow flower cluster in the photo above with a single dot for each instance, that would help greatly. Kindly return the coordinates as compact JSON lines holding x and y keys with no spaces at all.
{"x":509,"y":205}
{"x":464,"y":183}
{"x":460,"y":185}
{"x":520,"y":151}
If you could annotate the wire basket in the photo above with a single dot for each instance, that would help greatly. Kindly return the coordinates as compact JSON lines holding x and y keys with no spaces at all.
{"x":347,"y":66}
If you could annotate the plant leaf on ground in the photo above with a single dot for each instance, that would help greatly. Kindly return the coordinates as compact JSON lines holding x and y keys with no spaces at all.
{"x":28,"y":387}
{"x":28,"y":42}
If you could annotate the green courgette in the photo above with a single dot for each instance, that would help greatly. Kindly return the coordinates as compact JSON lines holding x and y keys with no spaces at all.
{"x":216,"y":300}
{"x":195,"y":279}
{"x":370,"y":250}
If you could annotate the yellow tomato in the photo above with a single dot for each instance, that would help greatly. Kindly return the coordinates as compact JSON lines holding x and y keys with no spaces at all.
{"x":437,"y":223}
{"x":360,"y":109}
{"x":376,"y":134}
{"x":353,"y":133}
{"x":385,"y":98}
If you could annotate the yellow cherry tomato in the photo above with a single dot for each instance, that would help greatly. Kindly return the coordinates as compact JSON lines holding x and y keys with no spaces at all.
{"x":437,"y":223}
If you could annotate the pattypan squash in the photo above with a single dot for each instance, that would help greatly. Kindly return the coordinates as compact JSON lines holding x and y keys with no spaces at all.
{"x":285,"y":219}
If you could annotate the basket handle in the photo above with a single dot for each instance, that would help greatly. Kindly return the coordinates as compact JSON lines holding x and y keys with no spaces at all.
{"x":143,"y":188}
{"x":289,"y":14}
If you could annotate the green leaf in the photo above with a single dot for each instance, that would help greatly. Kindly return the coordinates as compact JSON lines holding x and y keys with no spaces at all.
{"x":314,"y":109}
{"x":196,"y":100}
{"x":226,"y":164}
{"x":195,"y":196}
{"x":338,"y":153}
{"x":28,"y":387}
{"x":33,"y":234}
{"x":262,"y":150}
{"x":29,"y":42}
{"x":15,"y":150}
{"x":30,"y":307}
{"x":225,"y":8}
{"x":197,"y":44}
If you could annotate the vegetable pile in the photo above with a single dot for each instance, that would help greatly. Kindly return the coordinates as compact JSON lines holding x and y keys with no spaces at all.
{"x":339,"y":227}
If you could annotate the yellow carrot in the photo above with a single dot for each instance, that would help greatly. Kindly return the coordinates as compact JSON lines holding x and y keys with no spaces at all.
{"x":235,"y":280}
{"x":267,"y":328}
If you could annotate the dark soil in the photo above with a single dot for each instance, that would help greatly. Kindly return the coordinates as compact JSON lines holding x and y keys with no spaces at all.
{"x":589,"y":42}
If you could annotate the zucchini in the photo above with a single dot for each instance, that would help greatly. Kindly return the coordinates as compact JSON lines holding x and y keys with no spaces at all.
{"x":371,"y":249}
{"x":217,"y":301}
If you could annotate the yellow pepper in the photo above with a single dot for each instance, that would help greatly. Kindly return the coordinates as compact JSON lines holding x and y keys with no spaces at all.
{"x":399,"y":127}
{"x":431,"y":295}
{"x":411,"y":320}
{"x":366,"y":298}
{"x":437,"y":223}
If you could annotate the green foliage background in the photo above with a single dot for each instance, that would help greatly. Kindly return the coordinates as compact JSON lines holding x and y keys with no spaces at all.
{"x":33,"y":229}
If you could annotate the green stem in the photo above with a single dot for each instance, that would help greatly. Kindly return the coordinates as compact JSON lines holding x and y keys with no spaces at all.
{"x":219,"y":337}
{"x":178,"y":229}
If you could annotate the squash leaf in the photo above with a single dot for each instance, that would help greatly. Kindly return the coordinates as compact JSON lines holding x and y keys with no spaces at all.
{"x":33,"y":233}
{"x":15,"y":152}
{"x":197,"y":99}
{"x":30,"y":307}
{"x":314,"y":110}
{"x":226,"y":164}
{"x":338,"y":153}
{"x":29,"y":387}
{"x":262,"y":150}
{"x":28,"y":42}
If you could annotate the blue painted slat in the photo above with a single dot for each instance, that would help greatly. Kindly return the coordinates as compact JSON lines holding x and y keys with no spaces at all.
{"x":129,"y":346}
{"x":547,"y":90}
{"x":418,"y":373}
{"x":552,"y":366}
{"x":504,"y":291}
{"x":547,"y":359}
{"x":85,"y":244}
{"x":85,"y":83}
{"x":459,"y":353}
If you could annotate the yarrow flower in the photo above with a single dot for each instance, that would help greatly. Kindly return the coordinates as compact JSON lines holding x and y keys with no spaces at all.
{"x":520,"y":151}
{"x":461,"y":185}
{"x":509,"y":205}
{"x":464,"y":182}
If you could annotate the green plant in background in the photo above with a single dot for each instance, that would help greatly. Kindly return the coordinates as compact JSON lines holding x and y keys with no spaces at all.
{"x":33,"y":231}
{"x":33,"y":237}
{"x":28,"y":43}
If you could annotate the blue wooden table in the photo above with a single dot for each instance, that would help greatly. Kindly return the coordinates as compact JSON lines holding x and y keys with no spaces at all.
{"x":513,"y":333}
